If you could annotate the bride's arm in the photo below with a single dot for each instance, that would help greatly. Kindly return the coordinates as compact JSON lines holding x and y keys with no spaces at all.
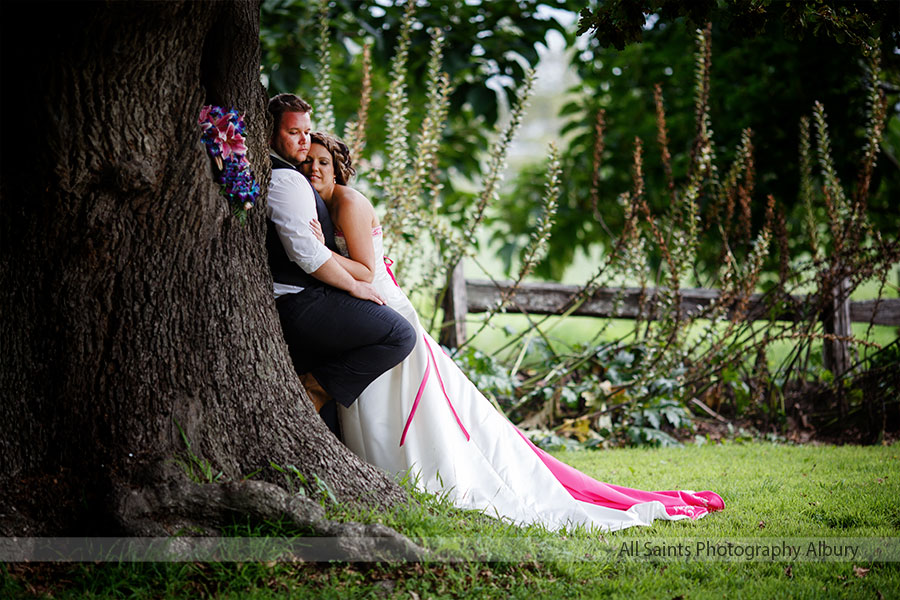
{"x":354,"y":216}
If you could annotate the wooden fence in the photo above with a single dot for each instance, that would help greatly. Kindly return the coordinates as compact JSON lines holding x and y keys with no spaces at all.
{"x":471,"y":296}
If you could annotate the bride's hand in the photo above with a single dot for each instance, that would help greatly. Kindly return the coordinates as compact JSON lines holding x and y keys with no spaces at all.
{"x":316,"y":228}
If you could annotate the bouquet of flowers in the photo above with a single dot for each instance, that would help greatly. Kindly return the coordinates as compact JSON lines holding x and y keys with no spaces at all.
{"x":223,"y":136}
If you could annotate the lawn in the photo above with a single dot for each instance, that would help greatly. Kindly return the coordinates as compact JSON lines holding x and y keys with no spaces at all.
{"x":773,"y":492}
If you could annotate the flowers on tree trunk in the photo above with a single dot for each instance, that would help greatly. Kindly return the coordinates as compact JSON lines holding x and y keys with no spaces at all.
{"x":223,"y":136}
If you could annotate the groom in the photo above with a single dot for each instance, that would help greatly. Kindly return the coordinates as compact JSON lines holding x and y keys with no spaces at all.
{"x":340,"y":335}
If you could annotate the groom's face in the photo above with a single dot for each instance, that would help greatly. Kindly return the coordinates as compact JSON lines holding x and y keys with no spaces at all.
{"x":291,"y":139}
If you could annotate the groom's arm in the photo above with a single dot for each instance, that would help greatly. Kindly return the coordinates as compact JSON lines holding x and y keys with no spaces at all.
{"x":359,"y":271}
{"x":335,"y":275}
{"x":291,"y":207}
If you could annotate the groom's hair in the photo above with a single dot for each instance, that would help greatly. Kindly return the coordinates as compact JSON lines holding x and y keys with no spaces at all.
{"x":282,"y":103}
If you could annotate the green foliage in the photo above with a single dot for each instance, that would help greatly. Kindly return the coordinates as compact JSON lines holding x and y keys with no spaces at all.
{"x":886,"y":360}
{"x":484,"y":41}
{"x":293,"y":480}
{"x":765,"y":78}
{"x":646,"y":423}
{"x":621,"y":22}
{"x":326,"y":494}
{"x":198,"y":469}
{"x":297,"y":485}
{"x":486,"y":373}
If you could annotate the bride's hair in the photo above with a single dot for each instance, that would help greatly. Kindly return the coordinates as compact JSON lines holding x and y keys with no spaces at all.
{"x":340,"y":155}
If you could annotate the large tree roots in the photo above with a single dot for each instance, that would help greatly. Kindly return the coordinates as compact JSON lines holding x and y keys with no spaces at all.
{"x":198,"y":512}
{"x":175,"y":519}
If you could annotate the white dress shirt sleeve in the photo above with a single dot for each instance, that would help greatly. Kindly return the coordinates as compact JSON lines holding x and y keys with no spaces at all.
{"x":291,"y":206}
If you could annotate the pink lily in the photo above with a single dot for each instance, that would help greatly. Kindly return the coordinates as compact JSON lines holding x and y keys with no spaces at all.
{"x":221,"y":124}
{"x":231,"y":142}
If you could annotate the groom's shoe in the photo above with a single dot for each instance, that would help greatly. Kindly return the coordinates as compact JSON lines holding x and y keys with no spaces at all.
{"x":323,"y":403}
{"x":316,"y":392}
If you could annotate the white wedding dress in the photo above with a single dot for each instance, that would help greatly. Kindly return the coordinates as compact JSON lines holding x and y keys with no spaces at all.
{"x":424,"y":416}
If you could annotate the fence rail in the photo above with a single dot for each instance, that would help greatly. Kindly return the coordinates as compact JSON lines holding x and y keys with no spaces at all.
{"x":476,"y":296}
{"x":550,"y":298}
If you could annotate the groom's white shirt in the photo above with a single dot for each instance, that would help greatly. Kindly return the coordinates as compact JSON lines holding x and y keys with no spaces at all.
{"x":291,"y":206}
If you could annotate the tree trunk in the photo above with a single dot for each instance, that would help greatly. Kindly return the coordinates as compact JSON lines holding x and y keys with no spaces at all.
{"x":134,"y":305}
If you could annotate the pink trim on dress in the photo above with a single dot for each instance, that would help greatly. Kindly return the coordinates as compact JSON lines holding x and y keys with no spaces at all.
{"x":387,"y":265}
{"x":415,"y":406}
{"x":441,"y":381}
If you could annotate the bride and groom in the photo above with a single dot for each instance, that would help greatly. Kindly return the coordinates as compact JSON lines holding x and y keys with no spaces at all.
{"x":353,"y":335}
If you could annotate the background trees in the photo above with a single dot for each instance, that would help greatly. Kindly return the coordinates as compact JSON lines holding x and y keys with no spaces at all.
{"x":771,"y":61}
{"x":484,"y":41}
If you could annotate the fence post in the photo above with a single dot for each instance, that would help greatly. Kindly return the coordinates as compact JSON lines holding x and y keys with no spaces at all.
{"x":837,"y":322}
{"x":455,"y":305}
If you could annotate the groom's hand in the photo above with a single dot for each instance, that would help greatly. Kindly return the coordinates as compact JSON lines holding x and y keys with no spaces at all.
{"x":365,"y":291}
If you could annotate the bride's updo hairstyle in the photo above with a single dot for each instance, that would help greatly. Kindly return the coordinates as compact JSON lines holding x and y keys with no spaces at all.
{"x":340,"y":155}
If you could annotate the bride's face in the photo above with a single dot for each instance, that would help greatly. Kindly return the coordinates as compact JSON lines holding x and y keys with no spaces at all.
{"x":319,"y":169}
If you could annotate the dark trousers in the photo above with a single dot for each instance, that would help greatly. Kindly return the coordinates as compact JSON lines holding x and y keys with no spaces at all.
{"x":345,"y":342}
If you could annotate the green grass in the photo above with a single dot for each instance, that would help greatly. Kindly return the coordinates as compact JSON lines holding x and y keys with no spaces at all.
{"x":794,"y":490}
{"x":770,"y":490}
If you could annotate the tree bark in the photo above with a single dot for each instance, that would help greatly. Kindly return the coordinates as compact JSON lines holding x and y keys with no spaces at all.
{"x":134,"y":305}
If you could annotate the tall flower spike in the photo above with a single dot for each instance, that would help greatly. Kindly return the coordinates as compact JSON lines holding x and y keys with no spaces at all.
{"x":397,"y":125}
{"x":662,"y":136}
{"x":599,"y":145}
{"x":540,"y":237}
{"x":840,"y":212}
{"x":429,"y":140}
{"x":322,"y":102}
{"x":499,"y":150}
{"x":355,"y":131}
{"x":807,"y":186}
{"x":876,"y":108}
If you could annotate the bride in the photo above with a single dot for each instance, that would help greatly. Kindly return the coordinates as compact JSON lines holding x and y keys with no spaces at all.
{"x":424,"y":416}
